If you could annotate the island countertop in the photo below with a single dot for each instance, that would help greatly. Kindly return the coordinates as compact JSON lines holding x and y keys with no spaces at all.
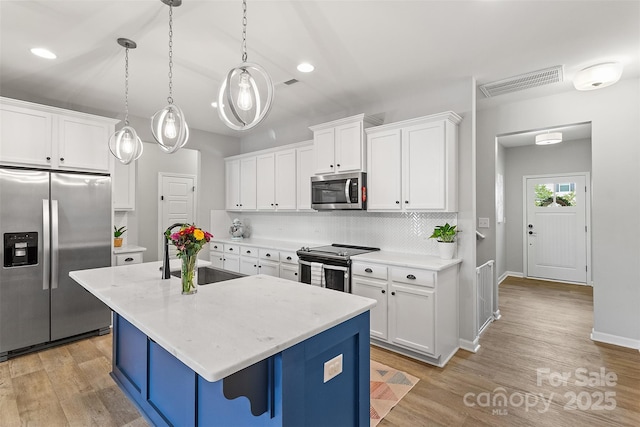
{"x":226,"y":326}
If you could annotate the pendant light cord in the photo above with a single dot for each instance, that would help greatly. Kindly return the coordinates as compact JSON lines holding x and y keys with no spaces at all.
{"x":170,"y":97}
{"x":126,"y":86}
{"x":244,"y":30}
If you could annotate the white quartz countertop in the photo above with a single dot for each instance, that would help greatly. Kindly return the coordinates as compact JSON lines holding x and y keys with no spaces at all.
{"x":407,"y":260}
{"x":281,"y":245}
{"x":127,"y":249}
{"x":226,"y":326}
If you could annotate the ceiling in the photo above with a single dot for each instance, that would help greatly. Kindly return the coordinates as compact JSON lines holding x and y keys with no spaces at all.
{"x":364,"y":51}
{"x":573,"y":132}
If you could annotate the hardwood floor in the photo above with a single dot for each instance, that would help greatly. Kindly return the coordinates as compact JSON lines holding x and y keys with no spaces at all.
{"x":544,"y":325}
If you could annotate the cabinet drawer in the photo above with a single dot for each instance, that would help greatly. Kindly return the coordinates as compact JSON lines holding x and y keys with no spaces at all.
{"x":133,"y":258}
{"x":370,"y":270}
{"x":215,"y":246}
{"x":232,"y":249}
{"x":269,"y":255}
{"x":413,"y":276}
{"x":249,"y":251}
{"x":289,"y":257}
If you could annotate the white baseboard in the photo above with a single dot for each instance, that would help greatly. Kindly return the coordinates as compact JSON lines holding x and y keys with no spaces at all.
{"x":615,"y":339}
{"x":509,"y":273}
{"x":472,"y":346}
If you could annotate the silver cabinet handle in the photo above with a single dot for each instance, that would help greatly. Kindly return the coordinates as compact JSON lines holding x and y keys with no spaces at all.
{"x":54,"y":244}
{"x":46,"y":243}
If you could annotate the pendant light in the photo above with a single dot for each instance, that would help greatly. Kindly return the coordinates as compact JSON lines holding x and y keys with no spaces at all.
{"x":125,"y":144}
{"x":240,"y":103}
{"x":168,"y":126}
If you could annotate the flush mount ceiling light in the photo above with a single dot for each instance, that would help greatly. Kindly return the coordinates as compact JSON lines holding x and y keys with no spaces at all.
{"x":168,"y":125}
{"x":125,"y":144}
{"x":549,"y":138}
{"x":598,"y":76}
{"x":305,"y":67}
{"x":241,"y":105}
{"x":43,"y":53}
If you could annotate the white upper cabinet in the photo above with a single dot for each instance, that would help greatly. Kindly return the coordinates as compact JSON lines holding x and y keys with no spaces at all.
{"x":304,"y":171}
{"x":240,"y":183}
{"x":412,"y":165}
{"x":276,"y":186}
{"x":83,"y":144}
{"x":124,"y":186}
{"x":339,"y":145}
{"x":26,"y":136}
{"x":42,"y":136}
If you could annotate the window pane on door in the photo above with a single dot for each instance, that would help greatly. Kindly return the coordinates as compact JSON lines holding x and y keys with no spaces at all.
{"x":555,"y":195}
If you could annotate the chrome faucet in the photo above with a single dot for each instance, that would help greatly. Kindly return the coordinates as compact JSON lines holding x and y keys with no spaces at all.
{"x":166,"y":274}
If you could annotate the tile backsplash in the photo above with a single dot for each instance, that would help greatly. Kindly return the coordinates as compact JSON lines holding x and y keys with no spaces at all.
{"x":396,"y":232}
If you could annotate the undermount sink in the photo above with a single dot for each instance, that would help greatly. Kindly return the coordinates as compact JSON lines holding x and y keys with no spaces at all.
{"x":208,"y":275}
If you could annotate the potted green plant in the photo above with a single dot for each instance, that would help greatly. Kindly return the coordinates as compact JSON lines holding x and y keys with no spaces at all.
{"x":446,"y":236}
{"x":117,"y":233}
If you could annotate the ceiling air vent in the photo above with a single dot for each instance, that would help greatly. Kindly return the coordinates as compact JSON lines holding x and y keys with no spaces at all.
{"x":523,"y":81}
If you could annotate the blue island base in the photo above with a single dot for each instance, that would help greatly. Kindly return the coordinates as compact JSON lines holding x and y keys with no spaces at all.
{"x":286,"y":389}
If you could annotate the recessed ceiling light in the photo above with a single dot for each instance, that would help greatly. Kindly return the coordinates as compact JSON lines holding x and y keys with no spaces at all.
{"x":43,"y":53}
{"x":305,"y":67}
{"x":214,"y":104}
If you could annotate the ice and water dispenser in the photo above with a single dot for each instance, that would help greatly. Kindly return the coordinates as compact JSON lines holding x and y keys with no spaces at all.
{"x":20,"y":249}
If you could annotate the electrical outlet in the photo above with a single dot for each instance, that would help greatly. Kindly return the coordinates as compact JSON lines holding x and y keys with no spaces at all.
{"x":332,"y":368}
{"x":483,"y":222}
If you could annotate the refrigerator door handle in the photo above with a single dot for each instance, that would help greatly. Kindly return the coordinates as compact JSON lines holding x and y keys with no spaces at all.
{"x":54,"y":244}
{"x":46,"y":236}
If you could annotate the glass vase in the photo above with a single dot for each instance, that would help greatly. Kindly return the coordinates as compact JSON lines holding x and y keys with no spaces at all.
{"x":189,"y":274}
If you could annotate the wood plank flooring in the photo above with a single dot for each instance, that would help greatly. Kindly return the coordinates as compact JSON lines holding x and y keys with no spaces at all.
{"x":544,"y":325}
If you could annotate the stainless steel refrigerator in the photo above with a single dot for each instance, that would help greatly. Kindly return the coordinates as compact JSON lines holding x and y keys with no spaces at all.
{"x":50,"y":223}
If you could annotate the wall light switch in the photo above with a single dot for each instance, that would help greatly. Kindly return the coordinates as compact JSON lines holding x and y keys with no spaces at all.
{"x":483,"y":222}
{"x":332,"y":368}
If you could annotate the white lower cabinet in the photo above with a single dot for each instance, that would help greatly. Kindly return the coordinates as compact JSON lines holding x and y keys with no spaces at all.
{"x":129,"y":258}
{"x":417,"y":310}
{"x":225,"y":256}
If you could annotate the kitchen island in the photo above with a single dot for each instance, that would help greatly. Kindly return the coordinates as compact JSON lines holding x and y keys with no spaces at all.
{"x":254,"y":351}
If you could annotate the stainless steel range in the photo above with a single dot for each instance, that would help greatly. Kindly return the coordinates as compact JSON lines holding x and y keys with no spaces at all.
{"x":329,"y":266}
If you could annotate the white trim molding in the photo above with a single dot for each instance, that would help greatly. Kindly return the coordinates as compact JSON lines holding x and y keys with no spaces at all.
{"x":506,"y":274}
{"x":472,"y":346}
{"x":614,"y":339}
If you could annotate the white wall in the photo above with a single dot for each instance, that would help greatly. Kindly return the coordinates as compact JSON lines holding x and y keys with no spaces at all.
{"x":500,"y":243}
{"x":569,"y":156}
{"x":613,"y":112}
{"x":203,"y":156}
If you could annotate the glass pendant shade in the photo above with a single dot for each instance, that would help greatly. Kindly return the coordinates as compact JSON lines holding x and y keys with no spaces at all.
{"x":169,"y":128}
{"x":126,"y":145}
{"x":240,"y":103}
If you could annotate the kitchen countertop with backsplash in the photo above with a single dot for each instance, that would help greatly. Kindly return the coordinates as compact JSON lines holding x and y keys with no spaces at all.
{"x":407,"y":260}
{"x":280,"y":245}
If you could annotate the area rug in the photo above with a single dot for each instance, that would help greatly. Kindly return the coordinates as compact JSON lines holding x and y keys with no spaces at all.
{"x":388,"y":386}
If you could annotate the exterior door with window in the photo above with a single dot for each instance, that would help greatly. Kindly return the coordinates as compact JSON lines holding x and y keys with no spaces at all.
{"x":556,"y":228}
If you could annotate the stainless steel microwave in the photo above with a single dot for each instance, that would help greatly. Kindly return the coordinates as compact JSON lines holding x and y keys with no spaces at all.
{"x":345,"y":191}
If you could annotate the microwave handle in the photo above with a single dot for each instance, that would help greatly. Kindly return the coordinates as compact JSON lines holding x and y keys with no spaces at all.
{"x":347,"y":187}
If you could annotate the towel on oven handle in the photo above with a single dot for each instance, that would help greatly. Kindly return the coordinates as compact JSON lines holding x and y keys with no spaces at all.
{"x":317,"y":274}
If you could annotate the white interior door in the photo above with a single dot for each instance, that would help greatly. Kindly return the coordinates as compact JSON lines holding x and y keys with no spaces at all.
{"x":555,"y":227}
{"x":177,"y":203}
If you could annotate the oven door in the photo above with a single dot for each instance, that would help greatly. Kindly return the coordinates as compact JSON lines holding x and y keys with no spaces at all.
{"x":336,"y":277}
